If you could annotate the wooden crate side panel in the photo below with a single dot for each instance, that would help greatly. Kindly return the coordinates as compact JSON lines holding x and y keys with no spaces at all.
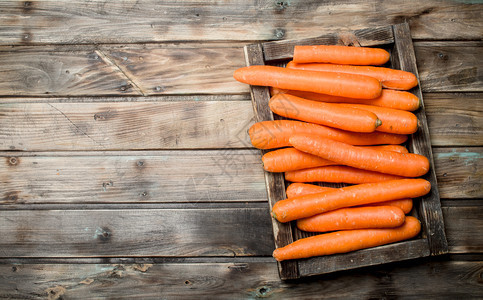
{"x":366,"y":257}
{"x":274,"y":181}
{"x":281,"y":50}
{"x":420,"y":143}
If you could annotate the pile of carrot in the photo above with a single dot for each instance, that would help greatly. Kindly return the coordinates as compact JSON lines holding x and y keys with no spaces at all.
{"x":345,"y":118}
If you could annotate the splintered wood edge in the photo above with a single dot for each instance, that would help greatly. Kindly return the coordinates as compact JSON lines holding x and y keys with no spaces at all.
{"x":281,"y":50}
{"x":282,"y":232}
{"x":420,"y":143}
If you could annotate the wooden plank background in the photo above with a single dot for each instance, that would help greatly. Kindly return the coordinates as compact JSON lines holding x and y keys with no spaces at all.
{"x":127,"y":170}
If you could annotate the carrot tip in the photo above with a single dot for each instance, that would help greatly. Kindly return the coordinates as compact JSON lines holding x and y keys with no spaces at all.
{"x":378,"y":122}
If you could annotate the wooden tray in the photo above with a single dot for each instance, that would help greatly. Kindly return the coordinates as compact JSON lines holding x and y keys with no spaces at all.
{"x":432,"y":240}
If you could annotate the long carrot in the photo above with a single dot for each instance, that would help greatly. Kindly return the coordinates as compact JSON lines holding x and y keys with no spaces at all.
{"x":300,"y":189}
{"x":333,"y":115}
{"x":393,"y":148}
{"x":337,"y":174}
{"x":331,"y":83}
{"x":289,"y":159}
{"x":276,"y":134}
{"x":390,"y":78}
{"x":389,"y":98}
{"x":354,"y":218}
{"x":309,"y":205}
{"x":400,"y":164}
{"x":393,"y":120}
{"x":340,"y":55}
{"x":346,"y":241}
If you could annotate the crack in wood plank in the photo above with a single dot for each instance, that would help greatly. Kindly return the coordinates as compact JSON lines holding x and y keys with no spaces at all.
{"x":111,"y":62}
{"x":73,"y":124}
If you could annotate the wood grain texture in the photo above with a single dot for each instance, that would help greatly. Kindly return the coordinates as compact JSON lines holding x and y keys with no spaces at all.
{"x":460,"y":172}
{"x":124,"y":125}
{"x":135,"y":232}
{"x":121,"y":69}
{"x":429,"y":205}
{"x":406,"y":250}
{"x":70,"y":71}
{"x":282,"y":50}
{"x":464,"y":225}
{"x":133,"y":177}
{"x":455,"y":119}
{"x":192,"y":68}
{"x":450,"y":66}
{"x":223,"y":175}
{"x":242,"y":231}
{"x":232,"y":280}
{"x":180,"y":68}
{"x":80,"y":22}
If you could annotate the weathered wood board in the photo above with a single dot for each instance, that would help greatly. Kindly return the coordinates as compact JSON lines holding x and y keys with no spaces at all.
{"x":84,"y":22}
{"x":247,"y":280}
{"x":125,"y":125}
{"x":132,"y":177}
{"x":183,"y":230}
{"x":115,"y":232}
{"x":34,"y":124}
{"x":197,"y":68}
{"x":234,"y":175}
{"x":432,"y":240}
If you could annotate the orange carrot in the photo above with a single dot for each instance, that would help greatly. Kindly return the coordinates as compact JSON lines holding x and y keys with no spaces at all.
{"x":389,"y":98}
{"x":309,"y":205}
{"x":354,"y":218}
{"x":291,"y":159}
{"x":405,"y":204}
{"x":333,"y":115}
{"x":346,"y":241}
{"x":300,"y":189}
{"x":276,"y":134}
{"x":401,"y":164}
{"x":393,"y":120}
{"x":393,"y":148}
{"x":331,"y":83}
{"x":337,"y":174}
{"x":390,"y":78}
{"x":340,"y":55}
{"x":288,"y":159}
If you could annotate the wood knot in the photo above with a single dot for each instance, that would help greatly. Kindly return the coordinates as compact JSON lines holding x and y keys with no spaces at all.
{"x":281,"y":5}
{"x":263,"y":291}
{"x":348,"y":39}
{"x":103,"y":234}
{"x":125,"y":87}
{"x":279,"y":33}
{"x":13,"y":161}
{"x":443,"y":56}
{"x":11,"y":197}
{"x":159,"y":88}
{"x":27,"y":6}
{"x":107,"y":184}
{"x":140,"y":163}
{"x":55,"y":292}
